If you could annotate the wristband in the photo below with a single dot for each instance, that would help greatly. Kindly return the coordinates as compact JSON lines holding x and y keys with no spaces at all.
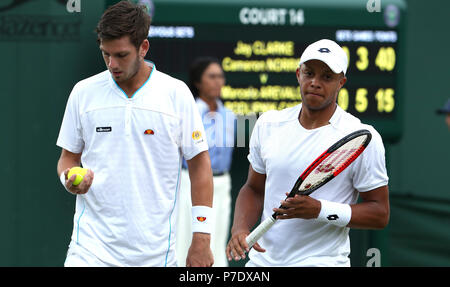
{"x":62,"y":178}
{"x":335,"y":213}
{"x":202,"y":219}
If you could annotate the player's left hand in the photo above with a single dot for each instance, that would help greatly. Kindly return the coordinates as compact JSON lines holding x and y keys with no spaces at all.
{"x":200,"y":254}
{"x":299,"y":206}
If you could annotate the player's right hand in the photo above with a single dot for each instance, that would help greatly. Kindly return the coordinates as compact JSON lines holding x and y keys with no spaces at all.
{"x":84,"y":185}
{"x":237,"y":246}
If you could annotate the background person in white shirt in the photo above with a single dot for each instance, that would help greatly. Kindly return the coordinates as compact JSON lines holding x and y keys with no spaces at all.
{"x":130,"y":126}
{"x":282,"y":145}
{"x":206,"y":79}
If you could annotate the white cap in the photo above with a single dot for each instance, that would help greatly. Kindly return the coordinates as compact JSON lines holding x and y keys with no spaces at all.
{"x":328,"y":52}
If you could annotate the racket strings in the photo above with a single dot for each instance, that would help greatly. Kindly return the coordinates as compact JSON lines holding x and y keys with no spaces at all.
{"x":334,"y":163}
{"x":350,"y":152}
{"x":349,"y":160}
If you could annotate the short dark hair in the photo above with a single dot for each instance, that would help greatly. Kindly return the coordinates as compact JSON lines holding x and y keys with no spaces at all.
{"x":198,"y":67}
{"x":124,"y":19}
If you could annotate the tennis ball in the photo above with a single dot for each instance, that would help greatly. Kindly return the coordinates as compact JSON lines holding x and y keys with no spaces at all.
{"x":79,"y":171}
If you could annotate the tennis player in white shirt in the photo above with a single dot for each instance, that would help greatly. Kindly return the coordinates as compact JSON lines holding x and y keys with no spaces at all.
{"x":282,"y":145}
{"x":130,"y":126}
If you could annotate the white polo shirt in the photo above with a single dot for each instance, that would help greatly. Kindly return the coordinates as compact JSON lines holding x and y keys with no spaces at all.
{"x":282,"y":149}
{"x":134,"y":147}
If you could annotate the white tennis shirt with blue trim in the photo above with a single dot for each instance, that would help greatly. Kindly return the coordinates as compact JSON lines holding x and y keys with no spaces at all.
{"x":134,"y":147}
{"x":282,"y":149}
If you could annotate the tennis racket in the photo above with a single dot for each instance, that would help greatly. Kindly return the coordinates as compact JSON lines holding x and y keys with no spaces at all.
{"x":326,"y":167}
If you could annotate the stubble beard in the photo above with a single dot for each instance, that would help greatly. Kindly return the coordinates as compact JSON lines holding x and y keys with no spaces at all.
{"x":133,"y":72}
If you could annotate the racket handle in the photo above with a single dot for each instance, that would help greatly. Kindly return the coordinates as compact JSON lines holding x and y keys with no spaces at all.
{"x":259,"y":231}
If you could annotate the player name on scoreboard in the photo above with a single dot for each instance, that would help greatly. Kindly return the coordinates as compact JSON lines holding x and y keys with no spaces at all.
{"x":267,"y":65}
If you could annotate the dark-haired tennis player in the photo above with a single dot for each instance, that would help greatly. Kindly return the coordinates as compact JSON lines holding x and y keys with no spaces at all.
{"x":282,"y":145}
{"x":130,"y":126}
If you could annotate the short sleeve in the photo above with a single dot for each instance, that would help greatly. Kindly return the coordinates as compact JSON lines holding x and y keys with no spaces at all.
{"x":370,"y":170}
{"x":193,"y":137}
{"x":70,"y":133}
{"x":254,"y":156}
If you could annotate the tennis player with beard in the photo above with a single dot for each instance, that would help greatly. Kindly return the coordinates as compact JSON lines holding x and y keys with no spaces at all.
{"x":130,"y":126}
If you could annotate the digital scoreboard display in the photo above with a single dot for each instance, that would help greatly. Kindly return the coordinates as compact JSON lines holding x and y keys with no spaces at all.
{"x":259,"y":44}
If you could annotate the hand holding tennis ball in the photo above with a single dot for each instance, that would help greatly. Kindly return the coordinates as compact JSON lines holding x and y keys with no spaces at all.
{"x":78,"y":180}
{"x":79,"y":172}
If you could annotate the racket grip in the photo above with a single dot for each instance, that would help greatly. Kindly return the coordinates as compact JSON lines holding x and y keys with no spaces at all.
{"x":259,"y":231}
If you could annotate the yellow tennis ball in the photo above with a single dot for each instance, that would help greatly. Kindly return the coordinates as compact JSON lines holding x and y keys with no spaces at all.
{"x":79,"y":171}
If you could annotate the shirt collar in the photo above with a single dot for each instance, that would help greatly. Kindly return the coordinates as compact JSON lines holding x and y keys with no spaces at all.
{"x":334,"y":118}
{"x":115,"y":86}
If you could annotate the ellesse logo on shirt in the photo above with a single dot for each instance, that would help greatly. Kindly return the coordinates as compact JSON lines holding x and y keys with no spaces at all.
{"x":103,"y":129}
{"x":149,"y":132}
{"x":201,"y":218}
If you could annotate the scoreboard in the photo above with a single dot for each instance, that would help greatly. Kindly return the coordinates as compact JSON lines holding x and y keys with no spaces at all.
{"x":259,"y":44}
